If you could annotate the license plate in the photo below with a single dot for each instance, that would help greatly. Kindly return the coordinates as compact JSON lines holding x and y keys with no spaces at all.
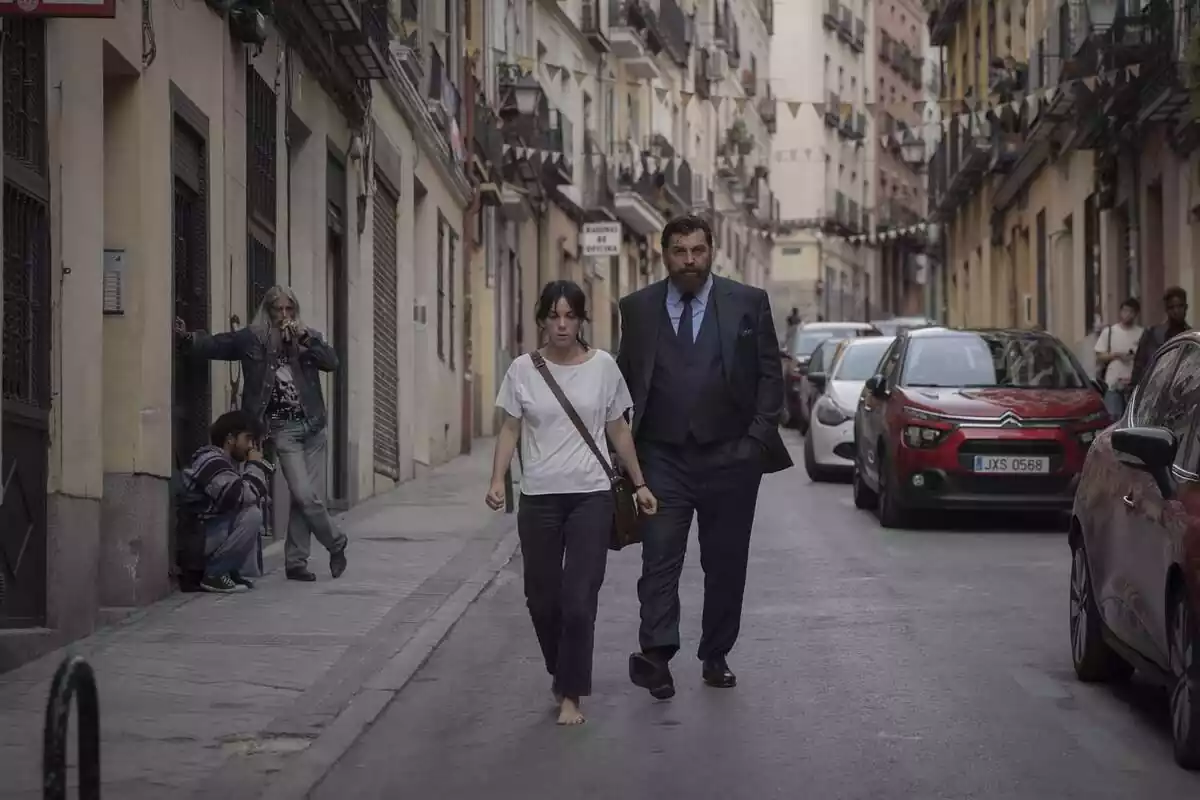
{"x":1010,"y":465}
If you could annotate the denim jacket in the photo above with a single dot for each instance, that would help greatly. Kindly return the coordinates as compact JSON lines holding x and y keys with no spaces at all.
{"x":250,"y":347}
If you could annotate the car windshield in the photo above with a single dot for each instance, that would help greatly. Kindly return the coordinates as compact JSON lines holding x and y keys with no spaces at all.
{"x":824,"y":354}
{"x":806,"y":342}
{"x":860,"y":360}
{"x":975,"y":360}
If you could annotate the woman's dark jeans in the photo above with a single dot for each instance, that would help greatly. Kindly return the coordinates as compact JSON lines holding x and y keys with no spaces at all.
{"x":564,"y":546}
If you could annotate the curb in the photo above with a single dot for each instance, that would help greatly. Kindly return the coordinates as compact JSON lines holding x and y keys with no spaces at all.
{"x":307,"y":769}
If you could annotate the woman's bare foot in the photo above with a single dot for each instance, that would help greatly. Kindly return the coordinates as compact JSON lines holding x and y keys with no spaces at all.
{"x":569,"y":713}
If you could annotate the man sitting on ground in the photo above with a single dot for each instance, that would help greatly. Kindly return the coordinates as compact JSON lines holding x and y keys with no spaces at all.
{"x":225,"y":488}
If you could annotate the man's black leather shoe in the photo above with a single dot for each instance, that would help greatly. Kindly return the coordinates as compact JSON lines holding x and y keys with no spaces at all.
{"x":337,"y":562}
{"x":300,"y":574}
{"x":653,"y":675}
{"x":717,"y":673}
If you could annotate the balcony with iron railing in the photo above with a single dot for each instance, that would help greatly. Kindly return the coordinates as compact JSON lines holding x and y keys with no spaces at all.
{"x":674,"y":26}
{"x":358,"y":32}
{"x":957,"y":167}
{"x":768,"y":110}
{"x":488,"y":140}
{"x":944,"y":16}
{"x":831,"y":15}
{"x":593,"y":25}
{"x":722,"y":18}
{"x":734,"y":48}
{"x":860,"y":35}
{"x":766,"y":11}
{"x":406,"y":51}
{"x":633,"y":34}
{"x":750,"y":82}
{"x":845,"y":29}
{"x":595,"y":188}
{"x":833,"y":111}
{"x":545,"y":130}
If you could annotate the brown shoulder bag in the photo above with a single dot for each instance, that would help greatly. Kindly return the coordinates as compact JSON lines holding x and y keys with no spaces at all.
{"x":625,"y":529}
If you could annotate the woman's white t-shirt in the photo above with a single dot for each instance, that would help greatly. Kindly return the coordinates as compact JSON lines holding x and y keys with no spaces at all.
{"x":555,"y":458}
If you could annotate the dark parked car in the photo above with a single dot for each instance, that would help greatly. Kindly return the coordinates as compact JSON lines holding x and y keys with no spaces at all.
{"x":1135,"y":543}
{"x":988,"y":419}
{"x":798,"y":352}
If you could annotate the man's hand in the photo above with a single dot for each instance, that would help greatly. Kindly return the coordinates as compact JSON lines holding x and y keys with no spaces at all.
{"x":180,"y":327}
{"x":646,"y":501}
{"x":496,"y":496}
{"x":254,"y":455}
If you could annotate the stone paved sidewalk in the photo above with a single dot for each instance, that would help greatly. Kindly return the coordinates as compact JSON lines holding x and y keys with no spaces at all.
{"x":224,"y":695}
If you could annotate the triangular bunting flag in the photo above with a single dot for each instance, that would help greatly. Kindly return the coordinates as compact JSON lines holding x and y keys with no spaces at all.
{"x":579,"y":76}
{"x":552,"y":70}
{"x":716,"y":101}
{"x":685,"y":98}
{"x":819,"y":108}
{"x":662,"y":95}
{"x":1135,"y":70}
{"x":793,"y":107}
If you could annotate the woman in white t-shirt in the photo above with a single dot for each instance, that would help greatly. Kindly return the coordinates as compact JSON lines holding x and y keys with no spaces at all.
{"x":566,"y":511}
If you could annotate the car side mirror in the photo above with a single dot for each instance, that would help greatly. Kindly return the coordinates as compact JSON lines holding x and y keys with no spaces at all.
{"x":817,"y":379}
{"x":1151,"y":450}
{"x":877,"y":386}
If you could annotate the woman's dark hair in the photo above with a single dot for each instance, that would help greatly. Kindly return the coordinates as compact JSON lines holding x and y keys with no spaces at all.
{"x":554,"y":291}
{"x":233,"y":423}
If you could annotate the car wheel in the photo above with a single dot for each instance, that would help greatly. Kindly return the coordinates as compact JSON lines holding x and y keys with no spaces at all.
{"x":891,"y":513}
{"x":816,"y":473}
{"x":864,"y":498}
{"x":1185,"y":691}
{"x":1094,"y":660}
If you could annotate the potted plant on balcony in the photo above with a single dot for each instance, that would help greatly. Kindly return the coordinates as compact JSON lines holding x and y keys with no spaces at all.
{"x":739,"y":138}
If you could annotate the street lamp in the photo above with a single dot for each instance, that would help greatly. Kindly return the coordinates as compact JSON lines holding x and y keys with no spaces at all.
{"x":521,"y":91}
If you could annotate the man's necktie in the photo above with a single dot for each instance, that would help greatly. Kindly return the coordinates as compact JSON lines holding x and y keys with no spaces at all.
{"x":686,"y":337}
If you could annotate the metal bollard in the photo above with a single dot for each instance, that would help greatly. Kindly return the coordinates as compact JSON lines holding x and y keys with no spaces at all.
{"x":73,"y":675}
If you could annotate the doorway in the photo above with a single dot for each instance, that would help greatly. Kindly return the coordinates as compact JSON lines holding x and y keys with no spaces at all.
{"x":339,"y":310}
{"x":25,"y":347}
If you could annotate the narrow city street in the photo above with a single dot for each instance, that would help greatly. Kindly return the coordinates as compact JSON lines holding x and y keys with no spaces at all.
{"x":872,"y":664}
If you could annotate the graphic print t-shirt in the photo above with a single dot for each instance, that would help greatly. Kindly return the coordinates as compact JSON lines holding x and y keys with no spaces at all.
{"x":285,"y":395}
{"x":556,"y":460}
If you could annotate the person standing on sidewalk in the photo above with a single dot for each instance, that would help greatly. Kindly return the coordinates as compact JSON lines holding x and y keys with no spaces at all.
{"x":224,"y":489}
{"x":566,"y":512}
{"x":281,"y":359}
{"x":701,"y":357}
{"x":1115,"y":347}
{"x":1176,"y":306}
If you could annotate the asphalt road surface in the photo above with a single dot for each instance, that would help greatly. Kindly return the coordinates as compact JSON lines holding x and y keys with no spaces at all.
{"x":872,"y":664}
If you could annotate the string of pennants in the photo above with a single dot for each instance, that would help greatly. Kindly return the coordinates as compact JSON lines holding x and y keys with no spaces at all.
{"x":939,"y":113}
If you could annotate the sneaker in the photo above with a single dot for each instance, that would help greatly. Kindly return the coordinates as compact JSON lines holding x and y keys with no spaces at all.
{"x":237,"y":578}
{"x":220,"y":584}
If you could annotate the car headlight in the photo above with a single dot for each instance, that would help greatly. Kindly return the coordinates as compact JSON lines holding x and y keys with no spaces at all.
{"x":921,"y":414}
{"x":829,"y":414}
{"x":923,"y":436}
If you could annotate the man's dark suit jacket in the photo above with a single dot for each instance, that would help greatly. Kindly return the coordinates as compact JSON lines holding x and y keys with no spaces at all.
{"x":749,"y":355}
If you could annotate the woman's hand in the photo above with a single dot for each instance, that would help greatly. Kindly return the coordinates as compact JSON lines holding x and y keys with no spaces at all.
{"x":646,"y":501}
{"x":495,"y":496}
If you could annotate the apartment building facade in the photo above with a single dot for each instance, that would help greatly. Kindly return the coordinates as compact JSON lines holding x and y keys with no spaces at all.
{"x":900,"y":185}
{"x":826,"y":189}
{"x":1089,"y":192}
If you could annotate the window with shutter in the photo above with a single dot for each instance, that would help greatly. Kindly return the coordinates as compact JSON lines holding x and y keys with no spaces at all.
{"x":261,"y":162}
{"x":387,"y":310}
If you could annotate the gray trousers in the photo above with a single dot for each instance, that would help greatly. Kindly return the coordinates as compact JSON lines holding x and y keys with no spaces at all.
{"x":301,"y":453}
{"x":231,"y":543}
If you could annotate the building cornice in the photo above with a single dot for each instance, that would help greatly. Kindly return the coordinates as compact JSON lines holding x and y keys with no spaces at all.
{"x":416,"y":112}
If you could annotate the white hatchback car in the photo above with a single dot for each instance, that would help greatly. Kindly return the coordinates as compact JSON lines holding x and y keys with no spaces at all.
{"x":829,"y":445}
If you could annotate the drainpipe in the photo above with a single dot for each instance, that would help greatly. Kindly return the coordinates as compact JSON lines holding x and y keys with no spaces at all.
{"x":1135,"y":226}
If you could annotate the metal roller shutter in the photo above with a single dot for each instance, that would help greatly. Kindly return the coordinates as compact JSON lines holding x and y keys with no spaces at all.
{"x":387,"y":421}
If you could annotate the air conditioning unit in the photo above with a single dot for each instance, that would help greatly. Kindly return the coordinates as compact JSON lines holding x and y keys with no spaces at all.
{"x":717,"y":65}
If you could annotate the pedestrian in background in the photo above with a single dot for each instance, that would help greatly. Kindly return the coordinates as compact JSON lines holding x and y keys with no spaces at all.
{"x":566,"y":509}
{"x":1176,"y":306}
{"x":282,"y":359}
{"x":702,"y":361}
{"x":1115,"y":348}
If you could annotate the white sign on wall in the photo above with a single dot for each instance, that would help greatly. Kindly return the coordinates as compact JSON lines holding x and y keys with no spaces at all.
{"x":601,"y":239}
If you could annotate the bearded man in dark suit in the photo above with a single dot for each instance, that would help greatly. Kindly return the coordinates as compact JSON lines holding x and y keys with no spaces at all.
{"x":701,"y":358}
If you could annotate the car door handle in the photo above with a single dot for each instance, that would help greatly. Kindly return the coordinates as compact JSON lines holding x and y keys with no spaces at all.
{"x":1128,"y":501}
